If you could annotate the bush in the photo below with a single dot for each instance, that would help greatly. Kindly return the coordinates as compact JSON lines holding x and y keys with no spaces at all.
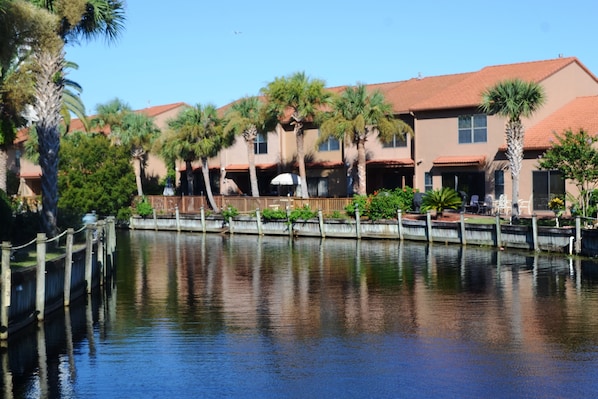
{"x":274,"y":214}
{"x":144,"y":208}
{"x":229,"y":213}
{"x":304,"y":213}
{"x":383,"y":204}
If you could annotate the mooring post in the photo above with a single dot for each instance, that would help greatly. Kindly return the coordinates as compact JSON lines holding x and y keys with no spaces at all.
{"x":321,"y":222}
{"x":289,"y":222}
{"x":357,"y":222}
{"x":462,"y":225}
{"x":88,"y":255}
{"x":498,"y":232}
{"x":258,"y":219}
{"x":202,"y":216}
{"x":400,"y":223}
{"x":5,"y":290}
{"x":155,"y":220}
{"x":535,"y":232}
{"x":429,"y":225}
{"x":101,"y":249}
{"x":40,"y":288}
{"x":68,"y":266}
{"x":577,"y":235}
{"x":178,"y":220}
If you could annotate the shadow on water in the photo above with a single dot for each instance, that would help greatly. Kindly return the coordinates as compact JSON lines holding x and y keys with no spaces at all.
{"x":245,"y":316}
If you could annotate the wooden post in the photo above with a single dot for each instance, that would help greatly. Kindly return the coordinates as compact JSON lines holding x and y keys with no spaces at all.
{"x":498,"y":232}
{"x":577,"y":235}
{"x":429,"y":225}
{"x":155,"y":220}
{"x":101,"y":250}
{"x":357,"y":222}
{"x":202,"y":216}
{"x":5,"y":290}
{"x":462,"y":225}
{"x":535,"y":232}
{"x":321,"y":221}
{"x":40,"y":288}
{"x":400,"y":223}
{"x":258,"y":219}
{"x":178,"y":220}
{"x":289,"y":222}
{"x":88,"y":255}
{"x":68,"y":266}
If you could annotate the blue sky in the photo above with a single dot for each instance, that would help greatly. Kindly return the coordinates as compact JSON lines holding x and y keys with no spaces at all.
{"x":219,"y":51}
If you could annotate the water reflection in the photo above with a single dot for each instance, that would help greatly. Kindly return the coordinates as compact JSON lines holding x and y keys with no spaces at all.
{"x":245,"y":316}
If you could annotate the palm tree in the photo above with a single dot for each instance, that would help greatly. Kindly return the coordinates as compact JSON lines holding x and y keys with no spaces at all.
{"x":513,"y":99}
{"x":197,"y":133}
{"x":248,"y":118}
{"x":110,"y":116}
{"x":75,"y":19}
{"x":303,"y":98}
{"x":356,"y":115}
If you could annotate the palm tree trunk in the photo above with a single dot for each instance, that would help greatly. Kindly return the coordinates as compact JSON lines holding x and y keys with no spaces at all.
{"x":48,"y":94}
{"x":255,"y":191}
{"x":361,"y":159}
{"x":301,"y":160}
{"x":515,"y":156}
{"x":189,"y":173}
{"x":138,"y":177}
{"x":206,"y":179}
{"x":3,"y":168}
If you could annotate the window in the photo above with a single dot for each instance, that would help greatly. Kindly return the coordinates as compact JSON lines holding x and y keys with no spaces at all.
{"x":472,"y":129}
{"x":260,"y":145}
{"x":397,"y":141}
{"x":428,"y":181}
{"x":499,"y":183}
{"x":331,"y":144}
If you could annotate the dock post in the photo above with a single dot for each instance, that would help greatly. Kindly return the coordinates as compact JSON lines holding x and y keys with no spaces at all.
{"x":40,"y":288}
{"x":68,"y":266}
{"x":5,"y":288}
{"x":400,"y":223}
{"x":88,"y":255}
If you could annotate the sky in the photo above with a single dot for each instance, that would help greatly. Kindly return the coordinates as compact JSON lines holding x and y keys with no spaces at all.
{"x":215,"y":52}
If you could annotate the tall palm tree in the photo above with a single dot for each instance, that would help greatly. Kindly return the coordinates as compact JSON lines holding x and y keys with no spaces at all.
{"x":355,"y":116}
{"x":197,"y":134}
{"x":138,"y":132}
{"x":75,"y":19}
{"x":513,"y":99}
{"x":248,"y":118}
{"x":303,"y":98}
{"x":110,"y":116}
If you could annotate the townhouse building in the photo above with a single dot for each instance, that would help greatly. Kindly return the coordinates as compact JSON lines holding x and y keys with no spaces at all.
{"x":454,"y":143}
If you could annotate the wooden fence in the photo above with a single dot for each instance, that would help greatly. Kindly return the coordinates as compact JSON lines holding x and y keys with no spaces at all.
{"x":164,"y":205}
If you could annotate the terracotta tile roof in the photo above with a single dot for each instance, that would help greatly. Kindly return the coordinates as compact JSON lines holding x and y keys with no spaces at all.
{"x":245,"y":167}
{"x":391,"y":162}
{"x":579,"y":113}
{"x":465,"y":160}
{"x":160,"y":109}
{"x":466,"y":92}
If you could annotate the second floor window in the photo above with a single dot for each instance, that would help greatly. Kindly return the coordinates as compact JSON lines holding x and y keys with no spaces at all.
{"x":397,"y":141}
{"x":472,"y":129}
{"x":331,"y":144}
{"x":260,"y":145}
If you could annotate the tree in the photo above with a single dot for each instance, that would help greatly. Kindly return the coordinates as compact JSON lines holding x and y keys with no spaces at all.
{"x":248,"y":118}
{"x":513,"y":99}
{"x":197,"y":133}
{"x":136,"y":131}
{"x":304,"y":99}
{"x":575,"y":156}
{"x":94,"y":175}
{"x":74,"y":19}
{"x":356,"y":115}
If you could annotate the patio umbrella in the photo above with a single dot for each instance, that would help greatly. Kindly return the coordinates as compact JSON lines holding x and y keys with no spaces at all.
{"x":286,"y":179}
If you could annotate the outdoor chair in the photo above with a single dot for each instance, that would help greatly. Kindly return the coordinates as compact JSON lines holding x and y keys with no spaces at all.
{"x":503,"y":205}
{"x":487,"y":206}
{"x":526,"y":204}
{"x":473,"y":204}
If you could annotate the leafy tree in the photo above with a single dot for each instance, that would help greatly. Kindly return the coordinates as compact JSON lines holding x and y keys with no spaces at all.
{"x":73,"y":19}
{"x":136,"y":131}
{"x":574,"y":155}
{"x":297,"y":99}
{"x":513,"y":99}
{"x":356,"y":115}
{"x":441,"y":199}
{"x":197,"y":133}
{"x":248,"y":118}
{"x":94,"y":175}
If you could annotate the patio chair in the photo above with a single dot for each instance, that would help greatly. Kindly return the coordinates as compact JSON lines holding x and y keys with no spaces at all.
{"x":504,"y":205}
{"x":474,"y":203}
{"x":487,"y":206}
{"x":526,"y":204}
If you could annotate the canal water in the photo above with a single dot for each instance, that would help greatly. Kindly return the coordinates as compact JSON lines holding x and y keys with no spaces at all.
{"x":217,"y":316}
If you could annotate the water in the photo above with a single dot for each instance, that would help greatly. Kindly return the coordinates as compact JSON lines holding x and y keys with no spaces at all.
{"x":213,"y":316}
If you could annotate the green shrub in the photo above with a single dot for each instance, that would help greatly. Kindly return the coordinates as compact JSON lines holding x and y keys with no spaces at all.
{"x":383,"y":204}
{"x":441,"y":199}
{"x":303,"y":213}
{"x":359,"y":201}
{"x":274,"y":214}
{"x":144,"y":208}
{"x":229,"y":212}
